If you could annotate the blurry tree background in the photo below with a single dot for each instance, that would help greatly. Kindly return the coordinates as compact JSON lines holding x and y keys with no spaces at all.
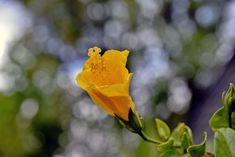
{"x":181,"y":57}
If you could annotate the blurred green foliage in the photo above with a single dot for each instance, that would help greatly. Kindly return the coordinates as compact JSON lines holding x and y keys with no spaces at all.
{"x":23,"y":135}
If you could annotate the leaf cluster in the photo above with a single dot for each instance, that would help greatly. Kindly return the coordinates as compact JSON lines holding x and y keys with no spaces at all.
{"x":223,"y":124}
{"x":179,"y":142}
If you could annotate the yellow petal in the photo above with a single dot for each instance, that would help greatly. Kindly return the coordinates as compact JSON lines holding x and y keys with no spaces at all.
{"x":121,"y":106}
{"x":102,"y":101}
{"x":115,"y":89}
{"x":118,"y":56}
{"x":116,"y":62}
{"x":82,"y":81}
{"x":106,"y":70}
{"x":117,"y":105}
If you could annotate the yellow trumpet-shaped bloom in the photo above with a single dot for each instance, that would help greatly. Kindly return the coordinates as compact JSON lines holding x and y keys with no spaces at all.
{"x":106,"y":79}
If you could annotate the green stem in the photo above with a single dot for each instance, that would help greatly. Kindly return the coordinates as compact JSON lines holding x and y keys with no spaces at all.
{"x":147,"y":138}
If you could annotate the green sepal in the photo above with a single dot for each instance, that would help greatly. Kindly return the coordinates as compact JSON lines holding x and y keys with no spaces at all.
{"x":199,"y":149}
{"x":224,"y":143}
{"x":162,"y":129}
{"x":135,"y":122}
{"x":125,"y":124}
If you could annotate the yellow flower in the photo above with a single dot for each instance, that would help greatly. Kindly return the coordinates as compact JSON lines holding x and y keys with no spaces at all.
{"x":106,"y":79}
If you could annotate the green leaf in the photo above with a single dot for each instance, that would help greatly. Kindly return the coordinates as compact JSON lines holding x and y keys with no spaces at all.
{"x":167,"y":149}
{"x":163,"y":129}
{"x":225,"y":116}
{"x":199,"y":149}
{"x":186,"y":141}
{"x":170,"y":153}
{"x":224,"y":143}
{"x":220,"y":119}
{"x":177,"y":134}
{"x":228,"y":97}
{"x":233,"y":119}
{"x":168,"y":145}
{"x":181,"y":135}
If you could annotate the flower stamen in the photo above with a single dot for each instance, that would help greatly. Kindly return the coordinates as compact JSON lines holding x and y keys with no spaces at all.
{"x":94,"y":51}
{"x":97,"y":64}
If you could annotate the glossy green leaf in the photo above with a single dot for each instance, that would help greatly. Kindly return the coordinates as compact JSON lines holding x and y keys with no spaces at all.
{"x":199,"y":149}
{"x":186,"y":140}
{"x":220,"y":119}
{"x":163,"y":129}
{"x":224,"y":143}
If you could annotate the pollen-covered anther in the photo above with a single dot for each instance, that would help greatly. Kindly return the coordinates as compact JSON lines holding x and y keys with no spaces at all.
{"x":94,"y":51}
{"x":97,"y":64}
